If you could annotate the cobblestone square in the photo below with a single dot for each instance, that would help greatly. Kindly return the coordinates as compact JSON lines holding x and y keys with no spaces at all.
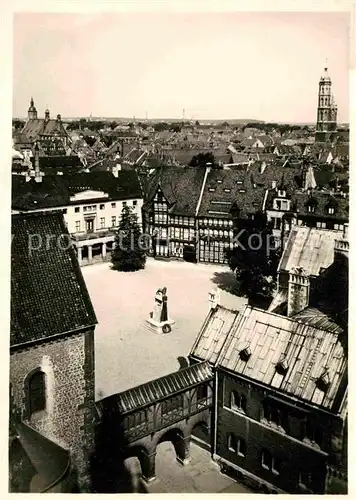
{"x":127,"y":353}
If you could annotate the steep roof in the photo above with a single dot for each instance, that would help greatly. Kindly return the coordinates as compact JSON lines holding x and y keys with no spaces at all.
{"x":321,"y":201}
{"x":307,"y":352}
{"x":48,"y":293}
{"x":39,"y":126}
{"x":155,"y":390}
{"x":223,"y":188}
{"x":309,"y":248}
{"x":180,"y":186}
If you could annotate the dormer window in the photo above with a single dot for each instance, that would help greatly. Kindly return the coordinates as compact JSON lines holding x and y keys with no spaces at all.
{"x":281,"y":193}
{"x":323,"y":381}
{"x":245,"y":354}
{"x":311,"y":209}
{"x":226,"y":190}
{"x":219,"y":181}
{"x":331,"y":210}
{"x":282,"y":366}
{"x":211,"y":190}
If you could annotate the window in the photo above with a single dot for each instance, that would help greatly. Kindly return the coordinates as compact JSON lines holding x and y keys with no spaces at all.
{"x":64,"y":210}
{"x":76,"y":209}
{"x":236,"y":445}
{"x":306,"y":479}
{"x":172,"y":405}
{"x":124,"y":203}
{"x":311,"y":208}
{"x":331,"y":210}
{"x":238,"y":401}
{"x":113,"y":205}
{"x":321,"y":224}
{"x":313,"y":432}
{"x":102,"y":206}
{"x":113,"y":221}
{"x":270,"y":462}
{"x":202,"y":394}
{"x":134,"y":203}
{"x":89,"y":208}
{"x":102,"y":222}
{"x":37,"y":392}
{"x":77,"y":226}
{"x":339,"y":227}
{"x":273,"y":415}
{"x":226,"y":190}
{"x":282,"y":193}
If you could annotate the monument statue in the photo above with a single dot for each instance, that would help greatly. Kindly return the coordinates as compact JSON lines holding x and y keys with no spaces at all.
{"x":159,"y":318}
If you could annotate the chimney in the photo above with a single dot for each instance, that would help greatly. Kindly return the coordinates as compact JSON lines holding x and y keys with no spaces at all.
{"x":59,"y":118}
{"x":38,"y":173}
{"x":298,"y":291}
{"x":47,"y":115}
{"x":341,"y":246}
{"x":116,"y":169}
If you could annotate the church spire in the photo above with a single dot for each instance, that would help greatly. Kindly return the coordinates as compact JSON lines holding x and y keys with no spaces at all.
{"x":32,"y":111}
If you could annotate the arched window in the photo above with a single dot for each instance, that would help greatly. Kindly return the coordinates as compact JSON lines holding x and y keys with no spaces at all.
{"x":238,"y":401}
{"x":36,"y":389}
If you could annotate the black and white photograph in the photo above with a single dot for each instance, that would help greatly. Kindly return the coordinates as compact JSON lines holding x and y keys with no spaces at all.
{"x":179,"y":250}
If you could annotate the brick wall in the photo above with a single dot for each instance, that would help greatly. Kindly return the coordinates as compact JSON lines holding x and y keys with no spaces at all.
{"x":293,"y":454}
{"x":69,"y":366}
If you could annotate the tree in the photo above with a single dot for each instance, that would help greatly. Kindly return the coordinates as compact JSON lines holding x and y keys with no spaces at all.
{"x":129,"y":253}
{"x":202,"y":159}
{"x":113,"y":125}
{"x":254,"y":259}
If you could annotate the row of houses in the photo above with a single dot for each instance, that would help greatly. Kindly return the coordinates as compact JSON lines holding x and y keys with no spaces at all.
{"x":192,"y":213}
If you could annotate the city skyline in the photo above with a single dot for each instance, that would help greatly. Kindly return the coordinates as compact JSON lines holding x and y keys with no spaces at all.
{"x":160,"y":64}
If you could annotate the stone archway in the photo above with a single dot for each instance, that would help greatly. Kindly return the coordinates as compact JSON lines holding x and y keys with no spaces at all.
{"x":180,"y":443}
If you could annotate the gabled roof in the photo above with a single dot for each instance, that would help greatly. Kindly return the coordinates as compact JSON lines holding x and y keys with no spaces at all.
{"x":321,"y":200}
{"x":39,"y":126}
{"x":155,"y":390}
{"x":48,"y":293}
{"x":309,"y":248}
{"x":180,"y":186}
{"x":307,"y":351}
{"x":225,"y":187}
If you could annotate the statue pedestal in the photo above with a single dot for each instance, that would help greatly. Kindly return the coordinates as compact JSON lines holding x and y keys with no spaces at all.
{"x":161,"y":327}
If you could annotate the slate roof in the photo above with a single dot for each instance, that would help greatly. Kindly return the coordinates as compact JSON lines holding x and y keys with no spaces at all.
{"x":49,"y":462}
{"x":56,"y":190}
{"x":39,"y":126}
{"x":48,"y":293}
{"x":155,"y":390}
{"x":309,"y":248}
{"x":309,"y":353}
{"x":180,"y":186}
{"x":230,"y":186}
{"x":321,"y":201}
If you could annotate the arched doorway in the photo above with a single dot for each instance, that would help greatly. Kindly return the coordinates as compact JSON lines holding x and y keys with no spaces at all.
{"x":173,"y":441}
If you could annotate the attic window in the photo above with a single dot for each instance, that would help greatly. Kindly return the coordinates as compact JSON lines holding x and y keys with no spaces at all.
{"x":226,"y":190}
{"x":245,"y":354}
{"x":211,"y":190}
{"x":311,"y":208}
{"x":219,"y":181}
{"x":282,"y":366}
{"x":238,"y":182}
{"x":323,"y":381}
{"x":331,"y":210}
{"x":281,"y":193}
{"x":242,"y":190}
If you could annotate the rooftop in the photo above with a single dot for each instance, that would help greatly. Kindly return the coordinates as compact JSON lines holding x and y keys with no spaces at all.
{"x":308,"y":353}
{"x":309,"y":248}
{"x":48,"y":293}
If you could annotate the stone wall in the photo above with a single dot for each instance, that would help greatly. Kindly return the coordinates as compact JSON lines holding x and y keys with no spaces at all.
{"x":68,"y":363}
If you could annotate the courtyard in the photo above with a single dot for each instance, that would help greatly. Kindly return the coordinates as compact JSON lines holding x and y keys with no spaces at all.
{"x":127,"y":352}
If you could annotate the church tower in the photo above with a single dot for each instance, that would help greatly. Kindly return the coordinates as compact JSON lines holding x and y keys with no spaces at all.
{"x":327,"y":111}
{"x":32,"y":111}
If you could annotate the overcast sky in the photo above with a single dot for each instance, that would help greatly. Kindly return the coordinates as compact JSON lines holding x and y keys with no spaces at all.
{"x":214,"y":65}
